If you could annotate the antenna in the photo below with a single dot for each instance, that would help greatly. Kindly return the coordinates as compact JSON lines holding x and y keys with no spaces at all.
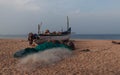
{"x":67,"y":22}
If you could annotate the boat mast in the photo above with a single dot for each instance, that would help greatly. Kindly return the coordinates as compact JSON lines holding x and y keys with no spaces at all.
{"x":39,"y":27}
{"x":67,"y":22}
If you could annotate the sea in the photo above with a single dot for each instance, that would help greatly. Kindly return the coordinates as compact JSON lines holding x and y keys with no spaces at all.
{"x":73,"y":36}
{"x":97,"y":36}
{"x":13,"y":36}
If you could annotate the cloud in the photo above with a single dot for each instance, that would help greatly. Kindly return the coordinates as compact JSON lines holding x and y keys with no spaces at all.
{"x":20,"y":4}
{"x":95,"y":14}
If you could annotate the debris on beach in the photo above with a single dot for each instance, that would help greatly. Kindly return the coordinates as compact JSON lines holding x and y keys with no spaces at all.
{"x":115,"y":42}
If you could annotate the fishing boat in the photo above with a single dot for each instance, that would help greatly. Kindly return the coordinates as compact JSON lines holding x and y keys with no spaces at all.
{"x":42,"y":37}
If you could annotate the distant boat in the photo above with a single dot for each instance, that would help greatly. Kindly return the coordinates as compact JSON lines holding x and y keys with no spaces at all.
{"x":64,"y":35}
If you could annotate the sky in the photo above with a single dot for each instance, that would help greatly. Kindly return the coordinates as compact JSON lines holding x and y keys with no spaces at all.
{"x":85,"y":16}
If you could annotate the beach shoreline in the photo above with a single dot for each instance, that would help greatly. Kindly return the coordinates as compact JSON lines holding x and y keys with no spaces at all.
{"x":95,"y":57}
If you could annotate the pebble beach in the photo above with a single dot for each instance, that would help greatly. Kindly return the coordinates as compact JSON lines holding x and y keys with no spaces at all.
{"x":91,"y":57}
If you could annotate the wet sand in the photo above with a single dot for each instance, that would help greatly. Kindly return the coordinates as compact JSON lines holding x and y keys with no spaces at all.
{"x":91,"y":57}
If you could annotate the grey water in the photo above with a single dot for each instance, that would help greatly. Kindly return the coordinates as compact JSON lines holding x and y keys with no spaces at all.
{"x":24,"y":36}
{"x":96,"y":36}
{"x":73,"y":36}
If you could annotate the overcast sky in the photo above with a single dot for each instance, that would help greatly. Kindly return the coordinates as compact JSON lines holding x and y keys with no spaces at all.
{"x":86,"y":16}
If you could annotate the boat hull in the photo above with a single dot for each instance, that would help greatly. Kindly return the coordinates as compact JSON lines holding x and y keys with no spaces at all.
{"x":46,"y":38}
{"x":40,"y":38}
